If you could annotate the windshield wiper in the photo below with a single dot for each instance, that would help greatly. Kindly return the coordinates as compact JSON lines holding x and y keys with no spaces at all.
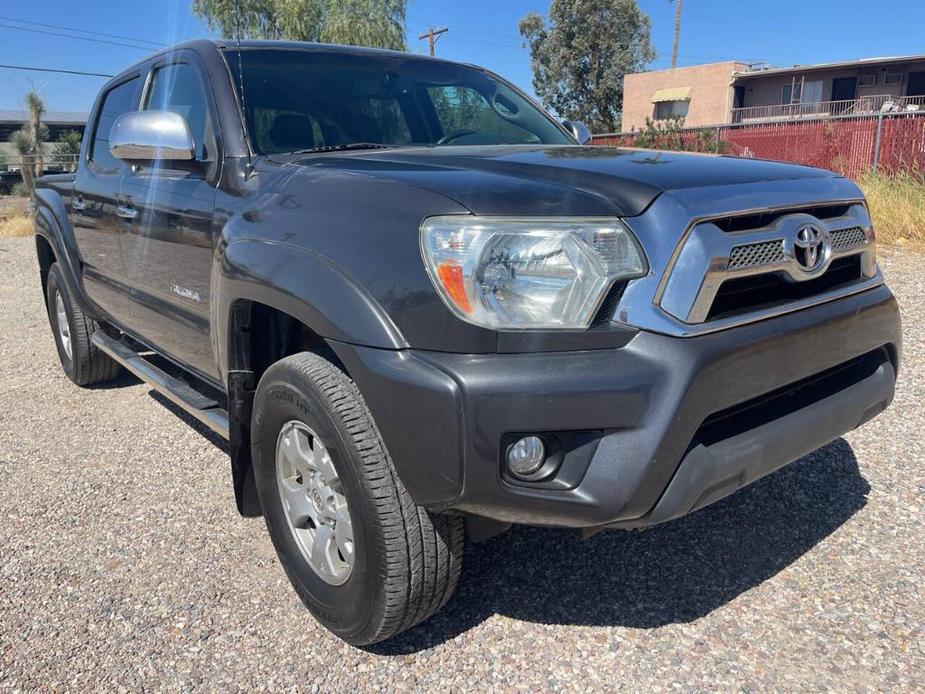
{"x":345,"y":147}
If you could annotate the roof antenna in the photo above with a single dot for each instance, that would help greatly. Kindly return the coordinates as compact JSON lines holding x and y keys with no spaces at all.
{"x":237,"y":31}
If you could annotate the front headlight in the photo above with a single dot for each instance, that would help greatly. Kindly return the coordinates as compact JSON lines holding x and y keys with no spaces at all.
{"x":528,"y":273}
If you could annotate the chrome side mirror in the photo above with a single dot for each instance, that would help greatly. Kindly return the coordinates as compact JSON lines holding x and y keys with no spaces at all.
{"x":151,"y":136}
{"x":578,"y":130}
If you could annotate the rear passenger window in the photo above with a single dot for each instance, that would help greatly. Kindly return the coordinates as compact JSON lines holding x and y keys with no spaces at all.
{"x":177,"y":88}
{"x":118,"y":100}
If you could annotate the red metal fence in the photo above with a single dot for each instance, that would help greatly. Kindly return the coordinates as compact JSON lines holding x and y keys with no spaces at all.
{"x":888,"y":143}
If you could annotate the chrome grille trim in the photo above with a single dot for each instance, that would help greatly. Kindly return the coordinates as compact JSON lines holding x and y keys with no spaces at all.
{"x":708,"y":256}
{"x":753,"y":254}
{"x":846,"y":239}
{"x":664,"y":228}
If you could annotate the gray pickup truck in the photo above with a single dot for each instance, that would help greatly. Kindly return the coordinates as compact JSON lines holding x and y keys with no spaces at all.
{"x":420,"y":309}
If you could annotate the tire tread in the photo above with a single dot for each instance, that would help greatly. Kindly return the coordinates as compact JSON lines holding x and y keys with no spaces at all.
{"x":89,"y":365}
{"x":423,"y":551}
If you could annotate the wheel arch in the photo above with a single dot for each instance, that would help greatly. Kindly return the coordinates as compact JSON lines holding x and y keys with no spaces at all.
{"x":259,"y":335}
{"x":321,"y":295}
{"x":55,"y":243}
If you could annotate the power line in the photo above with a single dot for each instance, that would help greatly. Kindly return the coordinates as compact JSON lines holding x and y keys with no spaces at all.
{"x":79,"y":38}
{"x":480,"y":30}
{"x":491,"y":43}
{"x":81,"y":31}
{"x":49,"y":69}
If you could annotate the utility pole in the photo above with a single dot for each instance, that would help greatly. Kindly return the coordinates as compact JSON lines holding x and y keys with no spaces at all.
{"x":677,"y":33}
{"x":432,"y":35}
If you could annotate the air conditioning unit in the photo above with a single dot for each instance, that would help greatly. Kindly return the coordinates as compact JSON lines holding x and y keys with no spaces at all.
{"x":893,"y":78}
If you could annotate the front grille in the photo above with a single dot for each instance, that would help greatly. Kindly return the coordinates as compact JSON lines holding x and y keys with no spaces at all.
{"x":753,"y":254}
{"x":846,"y":239}
{"x":733,"y":269}
{"x":767,"y":291}
{"x":766,"y":219}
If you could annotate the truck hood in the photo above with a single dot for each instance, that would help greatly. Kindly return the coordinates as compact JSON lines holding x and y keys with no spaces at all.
{"x":555,"y":181}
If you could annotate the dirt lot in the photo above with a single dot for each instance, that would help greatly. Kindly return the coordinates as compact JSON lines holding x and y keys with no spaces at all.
{"x":124,"y":564}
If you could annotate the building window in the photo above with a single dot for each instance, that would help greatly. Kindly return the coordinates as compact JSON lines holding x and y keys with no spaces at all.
{"x":893,"y":78}
{"x":868,"y":80}
{"x":787,"y":91}
{"x":668,"y":109}
{"x":802,"y":92}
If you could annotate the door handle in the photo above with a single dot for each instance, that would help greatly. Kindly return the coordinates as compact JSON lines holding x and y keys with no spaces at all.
{"x":78,"y":205}
{"x":126,"y":211}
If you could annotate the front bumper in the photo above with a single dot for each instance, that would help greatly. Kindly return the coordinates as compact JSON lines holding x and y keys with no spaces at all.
{"x":651,"y":431}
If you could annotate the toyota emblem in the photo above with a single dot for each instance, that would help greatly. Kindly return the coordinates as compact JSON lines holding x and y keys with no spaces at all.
{"x":810,"y":247}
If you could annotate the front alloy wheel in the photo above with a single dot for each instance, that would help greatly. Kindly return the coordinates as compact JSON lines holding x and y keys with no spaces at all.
{"x":363,"y":557}
{"x":312,"y":497}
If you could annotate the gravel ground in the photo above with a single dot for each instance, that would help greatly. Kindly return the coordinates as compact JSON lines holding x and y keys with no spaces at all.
{"x":123,"y":563}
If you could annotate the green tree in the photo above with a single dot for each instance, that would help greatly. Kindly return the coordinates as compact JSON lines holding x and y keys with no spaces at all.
{"x":580,"y":57}
{"x":377,"y":23}
{"x":67,"y":147}
{"x":29,"y":141}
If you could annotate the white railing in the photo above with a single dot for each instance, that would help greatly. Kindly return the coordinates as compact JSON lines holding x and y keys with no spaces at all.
{"x":904,"y":104}
{"x":864,"y":105}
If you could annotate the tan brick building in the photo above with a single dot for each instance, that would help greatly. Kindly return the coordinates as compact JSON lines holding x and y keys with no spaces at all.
{"x":736,"y":92}
{"x":702,"y":94}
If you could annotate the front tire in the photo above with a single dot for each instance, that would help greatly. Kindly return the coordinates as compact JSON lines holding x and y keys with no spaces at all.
{"x":83,"y":363}
{"x":363,"y":557}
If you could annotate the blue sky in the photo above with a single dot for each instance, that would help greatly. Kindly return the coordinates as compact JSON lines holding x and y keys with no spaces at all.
{"x":782,"y":32}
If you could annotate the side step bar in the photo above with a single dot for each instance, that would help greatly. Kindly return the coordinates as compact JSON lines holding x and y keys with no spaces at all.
{"x":177,"y":391}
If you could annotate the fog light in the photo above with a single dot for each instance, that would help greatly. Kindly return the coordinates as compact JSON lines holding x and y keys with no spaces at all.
{"x":526,"y":456}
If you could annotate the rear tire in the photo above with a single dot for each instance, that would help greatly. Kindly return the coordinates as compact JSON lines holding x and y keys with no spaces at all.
{"x":83,"y":363}
{"x":403,"y":562}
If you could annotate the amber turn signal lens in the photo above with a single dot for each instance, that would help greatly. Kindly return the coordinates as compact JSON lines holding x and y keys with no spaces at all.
{"x":451,"y":276}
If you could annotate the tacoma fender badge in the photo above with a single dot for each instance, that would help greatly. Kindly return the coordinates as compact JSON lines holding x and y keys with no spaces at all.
{"x":186,"y":293}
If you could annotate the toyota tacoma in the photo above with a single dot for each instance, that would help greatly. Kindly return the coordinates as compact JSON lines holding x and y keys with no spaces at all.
{"x":421,"y":309}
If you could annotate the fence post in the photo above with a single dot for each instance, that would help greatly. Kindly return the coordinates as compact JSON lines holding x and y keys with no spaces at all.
{"x":717,"y":140}
{"x":877,"y":141}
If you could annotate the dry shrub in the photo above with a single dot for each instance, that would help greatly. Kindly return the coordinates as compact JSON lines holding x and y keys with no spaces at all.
{"x":897,"y":205}
{"x":15,"y":225}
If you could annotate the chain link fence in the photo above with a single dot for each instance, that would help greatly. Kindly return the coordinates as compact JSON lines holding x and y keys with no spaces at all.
{"x":851,"y":145}
{"x":11,"y":168}
{"x":51,"y":163}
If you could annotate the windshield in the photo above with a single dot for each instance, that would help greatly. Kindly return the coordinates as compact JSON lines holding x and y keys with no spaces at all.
{"x":301,"y":100}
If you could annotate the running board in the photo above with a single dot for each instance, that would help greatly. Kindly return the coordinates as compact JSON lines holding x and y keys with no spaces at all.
{"x":179,"y":392}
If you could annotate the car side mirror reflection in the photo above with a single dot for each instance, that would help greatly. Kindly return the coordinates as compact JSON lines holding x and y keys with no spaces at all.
{"x":578,"y":130}
{"x":147,"y":136}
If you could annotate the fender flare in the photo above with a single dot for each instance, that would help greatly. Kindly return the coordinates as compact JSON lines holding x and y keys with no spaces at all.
{"x":305,"y":285}
{"x":52,"y":224}
{"x":310,"y":288}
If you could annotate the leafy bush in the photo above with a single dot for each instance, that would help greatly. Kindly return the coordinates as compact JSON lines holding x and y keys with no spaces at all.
{"x":670,"y":134}
{"x":67,"y":147}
